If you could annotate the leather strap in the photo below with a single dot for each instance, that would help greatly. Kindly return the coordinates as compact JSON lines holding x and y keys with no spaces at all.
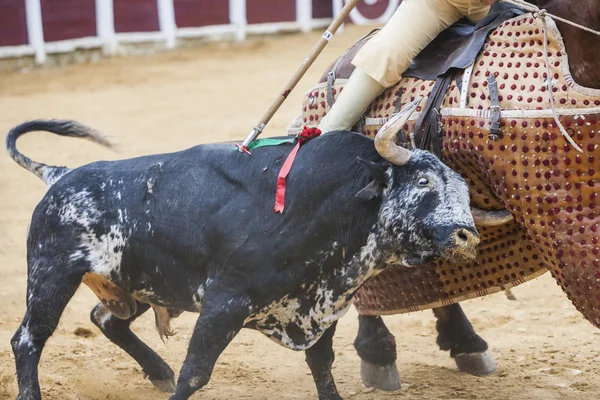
{"x":398,"y":105}
{"x":459,"y":83}
{"x":495,"y":131}
{"x":427,"y":128}
{"x":464,"y":89}
{"x":331,"y":81}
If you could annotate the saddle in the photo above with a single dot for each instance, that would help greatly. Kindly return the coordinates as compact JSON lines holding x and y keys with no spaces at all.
{"x":451,"y":52}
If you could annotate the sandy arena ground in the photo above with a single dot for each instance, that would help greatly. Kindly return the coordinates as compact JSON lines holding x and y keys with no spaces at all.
{"x":172,"y":101}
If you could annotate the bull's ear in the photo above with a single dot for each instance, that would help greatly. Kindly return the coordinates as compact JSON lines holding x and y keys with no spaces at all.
{"x":372,"y":191}
{"x":377,"y":172}
{"x":377,"y":169}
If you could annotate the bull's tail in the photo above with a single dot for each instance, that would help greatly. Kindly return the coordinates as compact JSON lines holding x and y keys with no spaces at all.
{"x":49,"y":174}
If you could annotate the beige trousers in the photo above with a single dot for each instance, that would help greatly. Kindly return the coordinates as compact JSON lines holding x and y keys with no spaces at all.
{"x":414,"y":25}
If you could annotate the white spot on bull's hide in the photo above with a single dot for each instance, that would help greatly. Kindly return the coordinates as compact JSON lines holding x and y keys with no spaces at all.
{"x":105,"y":252}
{"x":80,"y":209}
{"x":25,"y":337}
{"x":119,"y":195}
{"x":194,"y":382}
{"x":51,"y":175}
{"x":102,"y":315}
{"x":76,"y":255}
{"x":33,"y":273}
{"x":198,"y":298}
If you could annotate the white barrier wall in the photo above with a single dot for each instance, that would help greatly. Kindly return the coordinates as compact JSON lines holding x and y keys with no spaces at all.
{"x":41,"y":27}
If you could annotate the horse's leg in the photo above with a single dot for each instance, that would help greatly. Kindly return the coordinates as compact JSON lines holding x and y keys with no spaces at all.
{"x":376,"y":348}
{"x":119,"y":332}
{"x":469,"y":350}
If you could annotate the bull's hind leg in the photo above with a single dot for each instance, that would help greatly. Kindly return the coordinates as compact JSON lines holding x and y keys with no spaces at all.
{"x":119,"y":332}
{"x":320,"y":358}
{"x":49,"y":289}
{"x":469,"y":350}
{"x":376,"y":347}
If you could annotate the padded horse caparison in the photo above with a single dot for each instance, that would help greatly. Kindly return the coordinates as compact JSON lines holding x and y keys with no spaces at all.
{"x":529,"y":170}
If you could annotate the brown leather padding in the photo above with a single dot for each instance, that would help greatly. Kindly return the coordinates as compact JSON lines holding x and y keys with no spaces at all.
{"x":531,"y":170}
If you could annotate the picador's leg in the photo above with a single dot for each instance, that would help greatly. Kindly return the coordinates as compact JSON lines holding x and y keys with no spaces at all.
{"x":468,"y":349}
{"x":49,"y":289}
{"x":215,"y":329}
{"x":119,"y":332}
{"x":376,"y":348}
{"x":320,"y":358}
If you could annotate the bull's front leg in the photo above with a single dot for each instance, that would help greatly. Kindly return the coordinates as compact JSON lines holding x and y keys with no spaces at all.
{"x":219,"y":322}
{"x":320,"y":358}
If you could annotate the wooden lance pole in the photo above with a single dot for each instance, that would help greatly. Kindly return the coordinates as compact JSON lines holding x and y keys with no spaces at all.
{"x":316,"y":51}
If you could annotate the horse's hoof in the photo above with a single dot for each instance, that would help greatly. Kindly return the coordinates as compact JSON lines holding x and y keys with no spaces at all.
{"x":478,"y":364}
{"x":380,"y":377}
{"x":164,"y":385}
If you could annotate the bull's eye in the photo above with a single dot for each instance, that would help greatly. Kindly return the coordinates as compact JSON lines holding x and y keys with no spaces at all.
{"x":423,"y":182}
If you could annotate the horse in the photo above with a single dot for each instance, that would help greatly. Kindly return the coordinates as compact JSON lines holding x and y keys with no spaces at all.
{"x":521,"y":163}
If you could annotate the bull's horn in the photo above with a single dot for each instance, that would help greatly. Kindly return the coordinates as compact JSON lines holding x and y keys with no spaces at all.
{"x":490,"y":218}
{"x":384,"y":141}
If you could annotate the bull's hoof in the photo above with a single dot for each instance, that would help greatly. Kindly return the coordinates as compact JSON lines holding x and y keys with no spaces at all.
{"x":380,"y":377}
{"x":478,"y":364}
{"x":164,"y":385}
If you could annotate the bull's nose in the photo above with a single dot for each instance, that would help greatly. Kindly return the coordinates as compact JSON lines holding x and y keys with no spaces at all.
{"x":465,"y":238}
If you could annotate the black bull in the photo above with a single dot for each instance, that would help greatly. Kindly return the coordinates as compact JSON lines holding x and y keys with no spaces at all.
{"x":195,"y":231}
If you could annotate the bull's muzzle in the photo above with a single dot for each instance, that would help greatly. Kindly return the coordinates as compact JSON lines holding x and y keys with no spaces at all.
{"x":463,"y":243}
